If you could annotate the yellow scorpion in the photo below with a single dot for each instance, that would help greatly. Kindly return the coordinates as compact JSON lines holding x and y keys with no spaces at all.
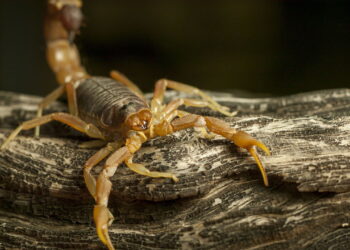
{"x":115,"y":113}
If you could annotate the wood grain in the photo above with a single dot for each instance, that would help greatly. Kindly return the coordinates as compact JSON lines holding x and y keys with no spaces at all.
{"x":220,"y":201}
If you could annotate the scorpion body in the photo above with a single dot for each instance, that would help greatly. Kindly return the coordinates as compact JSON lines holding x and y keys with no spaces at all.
{"x":115,"y":112}
{"x":110,"y":106}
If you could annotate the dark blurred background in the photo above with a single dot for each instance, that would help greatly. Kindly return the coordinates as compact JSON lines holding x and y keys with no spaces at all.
{"x":271,"y":47}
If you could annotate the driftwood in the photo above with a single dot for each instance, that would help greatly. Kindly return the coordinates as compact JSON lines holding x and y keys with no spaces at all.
{"x":220,"y":201}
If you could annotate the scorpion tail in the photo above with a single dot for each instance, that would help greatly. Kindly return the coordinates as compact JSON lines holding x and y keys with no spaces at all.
{"x":62,"y":22}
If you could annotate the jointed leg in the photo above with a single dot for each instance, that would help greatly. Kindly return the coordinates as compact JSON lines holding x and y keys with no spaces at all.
{"x":93,"y":144}
{"x":53,"y":96}
{"x":116,"y":75}
{"x":162,"y":84}
{"x":133,"y":143}
{"x":65,"y":118}
{"x":141,"y":169}
{"x":72,"y":99}
{"x":175,"y":104}
{"x":169,"y":113}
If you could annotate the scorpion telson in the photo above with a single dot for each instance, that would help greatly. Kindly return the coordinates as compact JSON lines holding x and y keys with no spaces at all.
{"x":115,"y":112}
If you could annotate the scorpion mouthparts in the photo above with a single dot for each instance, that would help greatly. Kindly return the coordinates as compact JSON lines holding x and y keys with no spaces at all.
{"x":144,"y":124}
{"x":139,"y":121}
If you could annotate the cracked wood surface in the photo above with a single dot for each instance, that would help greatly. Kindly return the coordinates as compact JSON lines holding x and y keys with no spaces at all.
{"x":220,"y":201}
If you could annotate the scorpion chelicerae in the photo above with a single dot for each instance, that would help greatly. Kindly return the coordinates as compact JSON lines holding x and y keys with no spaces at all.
{"x":115,"y":113}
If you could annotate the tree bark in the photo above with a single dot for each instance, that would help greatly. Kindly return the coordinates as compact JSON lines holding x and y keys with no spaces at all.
{"x":220,"y":201}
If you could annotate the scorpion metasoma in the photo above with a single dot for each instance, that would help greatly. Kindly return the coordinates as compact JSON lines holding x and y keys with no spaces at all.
{"x":115,"y":113}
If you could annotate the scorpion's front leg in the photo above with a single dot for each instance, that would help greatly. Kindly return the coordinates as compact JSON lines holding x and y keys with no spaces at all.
{"x":217,"y":126}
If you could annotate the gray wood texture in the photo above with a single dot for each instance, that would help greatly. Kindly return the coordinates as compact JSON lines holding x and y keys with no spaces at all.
{"x":220,"y":201}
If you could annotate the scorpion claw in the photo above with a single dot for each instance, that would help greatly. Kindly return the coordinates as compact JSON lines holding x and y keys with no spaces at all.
{"x":244,"y":140}
{"x":103,"y":218}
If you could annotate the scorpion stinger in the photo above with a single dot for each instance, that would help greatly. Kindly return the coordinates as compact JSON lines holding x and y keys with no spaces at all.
{"x":117,"y":114}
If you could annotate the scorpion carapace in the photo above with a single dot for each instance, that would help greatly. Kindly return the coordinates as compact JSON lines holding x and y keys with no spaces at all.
{"x":115,"y":112}
{"x":113,"y":108}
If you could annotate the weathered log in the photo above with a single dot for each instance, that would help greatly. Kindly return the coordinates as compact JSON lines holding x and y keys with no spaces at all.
{"x":220,"y":201}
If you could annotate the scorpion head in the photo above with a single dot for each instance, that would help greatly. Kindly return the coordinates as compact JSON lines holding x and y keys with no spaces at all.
{"x":140,"y":120}
{"x":130,"y":116}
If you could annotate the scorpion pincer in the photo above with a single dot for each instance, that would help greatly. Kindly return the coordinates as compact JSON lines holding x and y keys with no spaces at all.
{"x":115,"y":113}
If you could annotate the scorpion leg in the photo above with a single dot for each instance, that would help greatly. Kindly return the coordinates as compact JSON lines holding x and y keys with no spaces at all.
{"x":93,"y":144}
{"x":65,"y":118}
{"x":141,"y":169}
{"x":217,"y":126}
{"x":53,"y":96}
{"x":72,"y":99}
{"x":134,"y":143}
{"x":171,"y":111}
{"x":102,"y":216}
{"x":119,"y":77}
{"x":175,"y":104}
{"x":162,"y":84}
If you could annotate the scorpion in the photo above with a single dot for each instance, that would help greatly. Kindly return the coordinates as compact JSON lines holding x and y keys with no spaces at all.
{"x":114,"y":112}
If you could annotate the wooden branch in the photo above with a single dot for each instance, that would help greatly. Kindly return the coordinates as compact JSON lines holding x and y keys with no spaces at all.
{"x":220,"y":201}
